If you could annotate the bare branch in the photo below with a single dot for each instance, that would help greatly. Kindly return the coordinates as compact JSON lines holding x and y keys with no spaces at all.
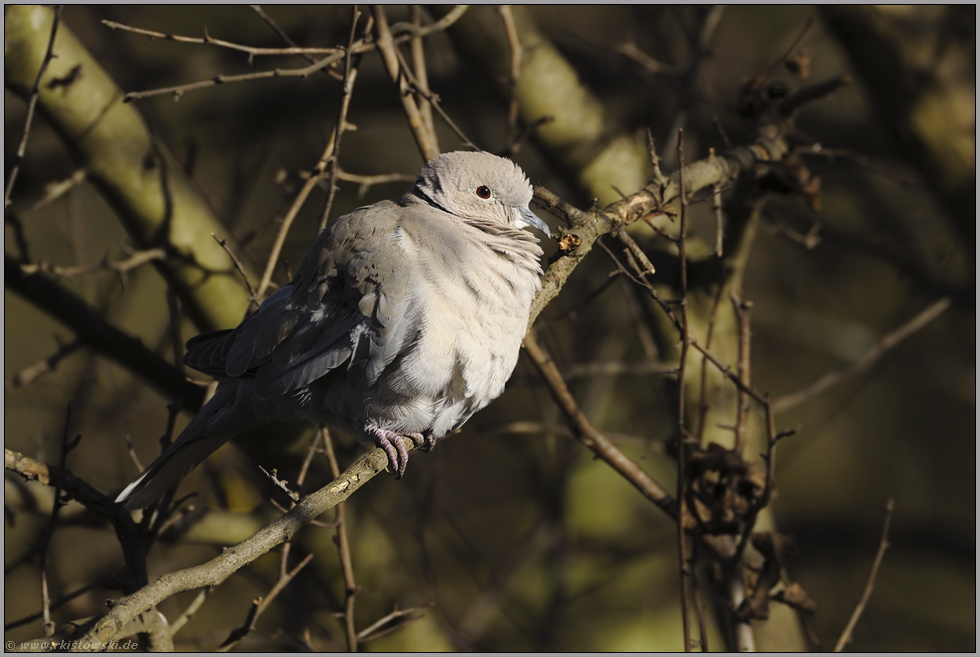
{"x":886,"y":344}
{"x":208,"y":40}
{"x":136,"y":259}
{"x":29,"y":375}
{"x":343,"y":550}
{"x":681,"y":409}
{"x":883,"y":545}
{"x":231,"y":559}
{"x":238,"y":266}
{"x":386,"y":45}
{"x":337,"y":54}
{"x":516,"y":55}
{"x":350,"y":76}
{"x":93,"y":330}
{"x":422,"y":74}
{"x":260,"y":604}
{"x":31,"y":108}
{"x":588,"y":435}
{"x":287,"y":222}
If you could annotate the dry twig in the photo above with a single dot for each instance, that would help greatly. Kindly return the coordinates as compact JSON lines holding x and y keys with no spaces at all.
{"x":883,"y":545}
{"x":681,"y":410}
{"x":232,"y":559}
{"x":31,"y":109}
{"x":343,"y":550}
{"x":886,"y":344}
{"x":588,"y":435}
{"x":389,"y":55}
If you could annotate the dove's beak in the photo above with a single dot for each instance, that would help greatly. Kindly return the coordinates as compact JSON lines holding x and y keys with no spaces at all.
{"x":528,"y":218}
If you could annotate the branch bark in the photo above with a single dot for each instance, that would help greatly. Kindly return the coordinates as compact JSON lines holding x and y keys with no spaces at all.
{"x":123,"y":160}
{"x":70,"y":309}
{"x":231,"y":559}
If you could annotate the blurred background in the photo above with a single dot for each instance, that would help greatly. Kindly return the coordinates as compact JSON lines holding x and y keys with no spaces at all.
{"x":510,"y":535}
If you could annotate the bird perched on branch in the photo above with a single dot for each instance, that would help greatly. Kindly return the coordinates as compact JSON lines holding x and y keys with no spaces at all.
{"x":404,"y":318}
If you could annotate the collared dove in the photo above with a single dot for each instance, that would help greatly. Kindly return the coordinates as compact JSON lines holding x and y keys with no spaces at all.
{"x":405,"y":317}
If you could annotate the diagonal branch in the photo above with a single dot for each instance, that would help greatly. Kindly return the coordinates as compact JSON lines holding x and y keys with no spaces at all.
{"x":32,"y":108}
{"x":231,"y":559}
{"x":386,"y":44}
{"x":884,"y":345}
{"x":591,"y":437}
{"x":91,"y":328}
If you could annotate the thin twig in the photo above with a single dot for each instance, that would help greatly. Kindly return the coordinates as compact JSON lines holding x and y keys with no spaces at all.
{"x":433,"y":100}
{"x":698,"y":603}
{"x":422,"y":74}
{"x":343,"y":549}
{"x":350,"y":76}
{"x":886,"y":344}
{"x":312,"y":451}
{"x":396,"y":73}
{"x":742,"y":310}
{"x":179,"y":90}
{"x":760,"y":79}
{"x":292,"y":44}
{"x":29,"y":375}
{"x":615,"y":368}
{"x":136,"y":259}
{"x":862,"y":160}
{"x":260,"y":604}
{"x":208,"y":40}
{"x":719,"y":214}
{"x":238,"y":266}
{"x":516,"y":57}
{"x":366,"y":182}
{"x":231,"y":559}
{"x":66,"y":598}
{"x":173,"y":328}
{"x":47,"y":532}
{"x":55,"y":190}
{"x":591,"y":437}
{"x":648,"y":63}
{"x":362,"y":46}
{"x":372,"y":632}
{"x":721,"y":133}
{"x":883,"y":545}
{"x":287,"y":222}
{"x":703,"y":406}
{"x":681,"y":430}
{"x":192,"y":608}
{"x":32,"y":108}
{"x":658,"y":177}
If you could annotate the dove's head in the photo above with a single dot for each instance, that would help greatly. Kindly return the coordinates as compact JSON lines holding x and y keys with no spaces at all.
{"x":479,"y":186}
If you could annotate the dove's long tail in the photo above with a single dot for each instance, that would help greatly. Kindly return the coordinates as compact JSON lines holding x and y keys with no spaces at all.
{"x":220,"y":420}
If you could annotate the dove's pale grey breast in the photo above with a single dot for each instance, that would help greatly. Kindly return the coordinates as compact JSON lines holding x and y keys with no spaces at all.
{"x":406,"y":315}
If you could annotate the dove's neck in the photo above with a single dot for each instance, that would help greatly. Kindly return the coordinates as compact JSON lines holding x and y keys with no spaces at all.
{"x":428,"y":199}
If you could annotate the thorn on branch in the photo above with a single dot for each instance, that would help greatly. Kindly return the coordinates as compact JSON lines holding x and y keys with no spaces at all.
{"x":282,"y":484}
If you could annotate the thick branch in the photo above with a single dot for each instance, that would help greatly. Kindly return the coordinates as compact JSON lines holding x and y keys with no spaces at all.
{"x":149,"y":192}
{"x":231,"y":559}
{"x":70,"y":309}
{"x":885,"y":345}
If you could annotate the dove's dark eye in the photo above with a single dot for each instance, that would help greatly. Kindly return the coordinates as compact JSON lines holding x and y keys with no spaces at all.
{"x":483,"y":192}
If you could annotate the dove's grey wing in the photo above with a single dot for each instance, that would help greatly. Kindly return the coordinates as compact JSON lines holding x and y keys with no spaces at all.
{"x":350,"y":302}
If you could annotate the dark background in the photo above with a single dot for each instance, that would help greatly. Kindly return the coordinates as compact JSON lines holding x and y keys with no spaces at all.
{"x":523,"y":541}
